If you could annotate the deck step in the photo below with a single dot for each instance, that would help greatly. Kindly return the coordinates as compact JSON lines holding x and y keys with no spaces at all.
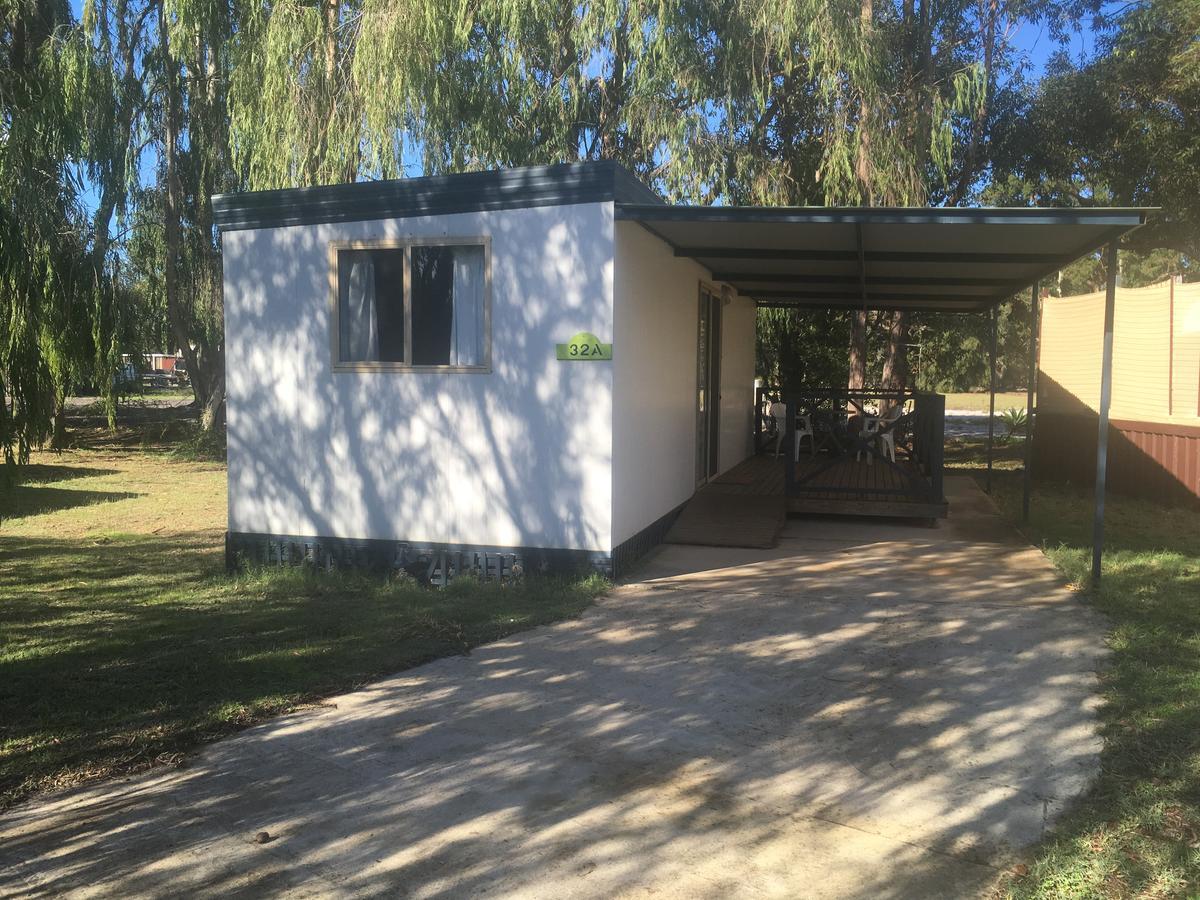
{"x":719,"y":519}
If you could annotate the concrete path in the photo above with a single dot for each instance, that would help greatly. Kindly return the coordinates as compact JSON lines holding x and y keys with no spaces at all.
{"x":868,"y":710}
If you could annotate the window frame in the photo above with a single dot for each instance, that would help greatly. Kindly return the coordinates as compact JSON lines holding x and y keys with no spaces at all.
{"x":407,"y":244}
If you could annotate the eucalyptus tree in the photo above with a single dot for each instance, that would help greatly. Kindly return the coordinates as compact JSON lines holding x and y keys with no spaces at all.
{"x":57,"y":310}
{"x":750,"y":101}
{"x":110,"y":44}
{"x":332,"y":91}
{"x":901,"y":94}
{"x":1118,"y":128}
{"x":116,"y":36}
{"x":186,"y":125}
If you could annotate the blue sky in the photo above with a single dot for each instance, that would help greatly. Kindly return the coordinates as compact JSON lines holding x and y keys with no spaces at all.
{"x":1037,"y":45}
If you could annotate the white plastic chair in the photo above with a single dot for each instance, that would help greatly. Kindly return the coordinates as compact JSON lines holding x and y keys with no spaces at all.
{"x":870,"y":429}
{"x":887,"y":439}
{"x":778,"y":412}
{"x":804,"y":429}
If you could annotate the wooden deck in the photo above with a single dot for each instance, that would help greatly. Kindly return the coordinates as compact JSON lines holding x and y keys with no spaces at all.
{"x":853,"y":488}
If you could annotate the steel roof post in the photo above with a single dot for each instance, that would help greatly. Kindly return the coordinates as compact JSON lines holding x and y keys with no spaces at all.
{"x":1110,"y":302}
{"x":991,"y":396}
{"x":1031,"y":386}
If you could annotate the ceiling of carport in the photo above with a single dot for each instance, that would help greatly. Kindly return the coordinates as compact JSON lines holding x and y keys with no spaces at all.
{"x":938,"y":259}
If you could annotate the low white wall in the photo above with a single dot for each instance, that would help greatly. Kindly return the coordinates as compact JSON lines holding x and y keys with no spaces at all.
{"x":518,"y":457}
{"x":655,"y":302}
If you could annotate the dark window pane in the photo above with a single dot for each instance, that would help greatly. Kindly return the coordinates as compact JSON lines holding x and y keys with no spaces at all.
{"x":389,"y":294}
{"x":432,"y":305}
{"x":371,"y":305}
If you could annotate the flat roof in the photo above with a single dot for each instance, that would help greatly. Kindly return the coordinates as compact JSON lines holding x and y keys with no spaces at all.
{"x":947,"y":259}
{"x":432,"y":195}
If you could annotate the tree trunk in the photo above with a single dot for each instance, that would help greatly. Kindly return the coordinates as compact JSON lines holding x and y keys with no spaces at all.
{"x":566,"y":61}
{"x":210,"y":348}
{"x":213,"y":414}
{"x":858,"y":351}
{"x":177,"y":317}
{"x":971,"y":166}
{"x":863,"y":164}
{"x":58,"y":440}
{"x":895,"y":365}
{"x":612,"y":94}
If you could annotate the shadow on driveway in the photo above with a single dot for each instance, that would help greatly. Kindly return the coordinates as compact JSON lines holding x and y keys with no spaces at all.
{"x":868,"y":710}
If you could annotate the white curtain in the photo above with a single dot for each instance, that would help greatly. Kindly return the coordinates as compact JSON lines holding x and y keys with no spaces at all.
{"x":466,"y":337}
{"x":359,"y":325}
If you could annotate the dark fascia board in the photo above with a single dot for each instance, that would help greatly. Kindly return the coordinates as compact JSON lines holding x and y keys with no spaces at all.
{"x":1127,"y":217}
{"x":901,"y":256}
{"x":871,"y":296}
{"x":559,"y":185}
{"x":739,"y":279}
{"x":873,"y":306}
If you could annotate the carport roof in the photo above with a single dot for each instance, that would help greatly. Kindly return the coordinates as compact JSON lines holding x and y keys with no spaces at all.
{"x":948,"y":259}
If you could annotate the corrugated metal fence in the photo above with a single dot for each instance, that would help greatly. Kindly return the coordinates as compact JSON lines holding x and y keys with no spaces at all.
{"x":1155,"y":415}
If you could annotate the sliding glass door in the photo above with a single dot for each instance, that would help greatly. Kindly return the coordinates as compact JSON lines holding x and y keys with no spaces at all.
{"x":708,"y":385}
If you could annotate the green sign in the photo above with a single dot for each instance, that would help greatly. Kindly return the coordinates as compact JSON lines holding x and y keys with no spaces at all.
{"x":584,"y":346}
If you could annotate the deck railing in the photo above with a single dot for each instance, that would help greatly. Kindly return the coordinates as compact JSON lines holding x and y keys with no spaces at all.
{"x":837,"y":416}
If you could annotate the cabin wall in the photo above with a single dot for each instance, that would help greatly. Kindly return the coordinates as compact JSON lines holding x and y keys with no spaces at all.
{"x":655,"y":298}
{"x":517,"y":457}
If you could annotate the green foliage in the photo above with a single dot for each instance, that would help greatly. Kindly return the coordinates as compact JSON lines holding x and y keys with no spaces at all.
{"x":56,"y":315}
{"x":202,"y":445}
{"x":802,"y":347}
{"x":947,"y":352}
{"x":1015,"y":420}
{"x":1116,"y":129}
{"x":751,"y":101}
{"x":951,"y":351}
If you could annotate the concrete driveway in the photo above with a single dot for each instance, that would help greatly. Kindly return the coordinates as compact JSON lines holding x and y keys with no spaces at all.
{"x":870,"y":710}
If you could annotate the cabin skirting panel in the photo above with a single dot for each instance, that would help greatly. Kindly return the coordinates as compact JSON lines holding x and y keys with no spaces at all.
{"x":436,"y":561}
{"x":626,"y":553}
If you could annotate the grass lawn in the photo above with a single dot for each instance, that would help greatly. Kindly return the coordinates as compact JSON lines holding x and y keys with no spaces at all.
{"x":124,"y":644}
{"x":1137,"y":834}
{"x":978,"y":402}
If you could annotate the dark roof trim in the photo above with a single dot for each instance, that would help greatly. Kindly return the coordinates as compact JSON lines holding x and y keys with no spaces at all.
{"x":776,"y":278}
{"x":869,"y":255}
{"x":530,"y":186}
{"x":945,"y":215}
{"x":926,"y":306}
{"x":854,"y":298}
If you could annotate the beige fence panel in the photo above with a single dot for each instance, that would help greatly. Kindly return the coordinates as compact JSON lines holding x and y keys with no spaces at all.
{"x":1156,"y":353}
{"x":1185,"y":384}
{"x":1141,"y":357}
{"x":1072,"y":333}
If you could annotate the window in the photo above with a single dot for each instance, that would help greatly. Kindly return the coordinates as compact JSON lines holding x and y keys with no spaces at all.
{"x":412,"y":305}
